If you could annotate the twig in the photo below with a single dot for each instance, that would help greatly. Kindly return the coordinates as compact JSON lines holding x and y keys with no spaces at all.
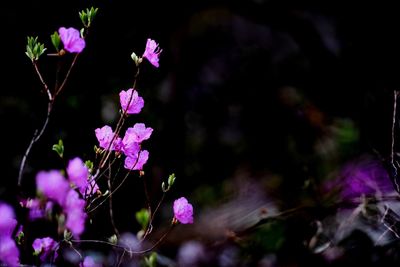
{"x":36,"y":136}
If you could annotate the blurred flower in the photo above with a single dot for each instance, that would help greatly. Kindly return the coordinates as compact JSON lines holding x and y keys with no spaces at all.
{"x":53,"y":185}
{"x":7,"y":220}
{"x":78,"y":174}
{"x":132,"y":162}
{"x":89,"y":262}
{"x":9,"y":253}
{"x":44,"y":247}
{"x":72,"y":40}
{"x":74,"y":209}
{"x":130,"y":101}
{"x":191,"y":253}
{"x":152,"y":52}
{"x":364,"y":176}
{"x":183,"y":211}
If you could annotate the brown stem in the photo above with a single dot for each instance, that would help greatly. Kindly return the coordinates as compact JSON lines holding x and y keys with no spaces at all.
{"x":110,"y":205}
{"x":46,"y":88}
{"x":66,"y":76}
{"x":36,"y":136}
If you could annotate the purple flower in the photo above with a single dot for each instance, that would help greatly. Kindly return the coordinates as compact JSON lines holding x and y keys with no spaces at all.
{"x":183,"y":211}
{"x":78,"y":173}
{"x":118,"y":144}
{"x":134,"y":163}
{"x":90,"y":262}
{"x":129,"y":146}
{"x":152,"y":52}
{"x":72,"y":40}
{"x":74,"y":209}
{"x":104,"y":135}
{"x":130,"y":101}
{"x":7,"y":220}
{"x":9,"y":253}
{"x":44,"y":247}
{"x":139,"y":132}
{"x":53,"y":185}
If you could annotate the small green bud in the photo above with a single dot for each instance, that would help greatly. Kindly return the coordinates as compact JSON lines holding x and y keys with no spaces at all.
{"x":143,"y":217}
{"x":59,"y":148}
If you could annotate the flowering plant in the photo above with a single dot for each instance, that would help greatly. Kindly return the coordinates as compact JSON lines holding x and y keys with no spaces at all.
{"x":67,"y":198}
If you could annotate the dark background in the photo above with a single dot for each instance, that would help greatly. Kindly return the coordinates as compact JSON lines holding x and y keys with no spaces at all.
{"x":243,"y":87}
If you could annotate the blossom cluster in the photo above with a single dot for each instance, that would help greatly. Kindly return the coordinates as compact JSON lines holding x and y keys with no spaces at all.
{"x":63,"y":195}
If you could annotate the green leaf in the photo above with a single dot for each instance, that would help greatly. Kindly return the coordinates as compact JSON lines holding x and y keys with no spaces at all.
{"x":34,"y":49}
{"x":59,"y":148}
{"x":89,"y":164}
{"x":55,"y":40}
{"x":151,"y":261}
{"x":143,"y":217}
{"x":171,"y":180}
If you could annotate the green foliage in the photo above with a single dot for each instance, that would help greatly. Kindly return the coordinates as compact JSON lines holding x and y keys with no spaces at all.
{"x":151,"y":260}
{"x":59,"y":148}
{"x":87,"y":16}
{"x":55,"y":40}
{"x":143,"y":217}
{"x":34,"y":49}
{"x":171,"y":181}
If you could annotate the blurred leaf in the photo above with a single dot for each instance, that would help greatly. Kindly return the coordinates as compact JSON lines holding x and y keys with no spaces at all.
{"x":143,"y":217}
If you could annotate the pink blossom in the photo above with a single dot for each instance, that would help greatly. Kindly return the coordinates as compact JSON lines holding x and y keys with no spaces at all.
{"x":72,"y":40}
{"x":53,"y":185}
{"x":139,"y":132}
{"x":129,"y":146}
{"x":7,"y":220}
{"x":118,"y":144}
{"x":130,"y":101}
{"x":152,"y":52}
{"x":78,"y":173}
{"x":9,"y":254}
{"x":74,"y":209}
{"x":44,"y":247}
{"x":134,"y":163}
{"x":104,"y":135}
{"x":183,"y":211}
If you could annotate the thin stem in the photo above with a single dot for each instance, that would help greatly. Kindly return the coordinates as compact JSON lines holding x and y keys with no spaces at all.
{"x":46,"y":88}
{"x":66,"y":76}
{"x":36,"y":136}
{"x":396,"y":93}
{"x":126,"y":249}
{"x":150,"y":225}
{"x":394,"y":123}
{"x":115,"y":190}
{"x":110,"y":205}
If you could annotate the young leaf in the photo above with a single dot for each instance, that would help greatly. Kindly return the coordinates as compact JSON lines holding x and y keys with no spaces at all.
{"x":59,"y":148}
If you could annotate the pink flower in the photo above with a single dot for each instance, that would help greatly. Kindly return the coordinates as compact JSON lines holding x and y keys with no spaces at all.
{"x":53,"y":185}
{"x":9,"y":254}
{"x":130,"y":101}
{"x":72,"y":40}
{"x":183,"y":211}
{"x":74,"y":209}
{"x":135,"y":163}
{"x":152,"y":52}
{"x":105,"y":135}
{"x":44,"y":247}
{"x":129,"y":146}
{"x":7,"y":220}
{"x":139,"y":132}
{"x":78,"y":173}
